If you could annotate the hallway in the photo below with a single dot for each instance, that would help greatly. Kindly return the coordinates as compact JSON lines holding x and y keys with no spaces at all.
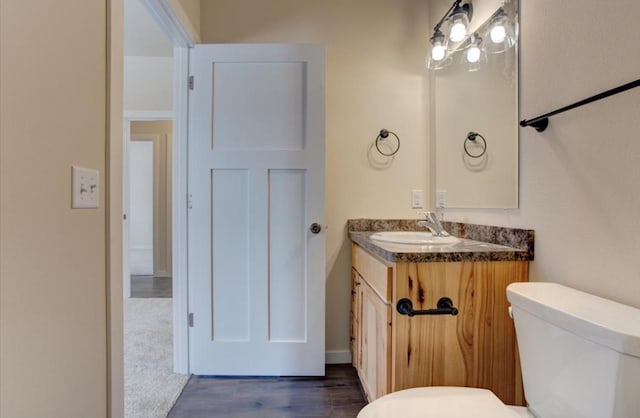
{"x":150,"y":286}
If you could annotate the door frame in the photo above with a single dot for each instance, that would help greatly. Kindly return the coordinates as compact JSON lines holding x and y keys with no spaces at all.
{"x":179,"y":210}
{"x":179,"y":116}
{"x":170,"y":18}
{"x":183,"y":38}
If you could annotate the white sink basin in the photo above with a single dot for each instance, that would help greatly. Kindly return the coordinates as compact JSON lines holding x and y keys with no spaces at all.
{"x":413,"y":238}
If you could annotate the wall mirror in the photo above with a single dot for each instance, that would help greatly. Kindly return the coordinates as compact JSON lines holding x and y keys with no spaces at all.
{"x":475,"y":109}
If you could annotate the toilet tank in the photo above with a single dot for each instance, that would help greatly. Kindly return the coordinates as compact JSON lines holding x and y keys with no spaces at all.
{"x":580,"y":354}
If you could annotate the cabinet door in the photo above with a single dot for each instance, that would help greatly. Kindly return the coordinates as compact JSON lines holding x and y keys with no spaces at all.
{"x":476,"y":348}
{"x":356,"y":314}
{"x":375,"y":353}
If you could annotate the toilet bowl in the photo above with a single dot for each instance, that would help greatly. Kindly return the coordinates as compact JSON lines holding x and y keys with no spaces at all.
{"x":580,"y":357}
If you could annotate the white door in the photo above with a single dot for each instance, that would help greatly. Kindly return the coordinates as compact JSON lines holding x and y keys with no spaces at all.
{"x":141,"y":197}
{"x":256,"y":186}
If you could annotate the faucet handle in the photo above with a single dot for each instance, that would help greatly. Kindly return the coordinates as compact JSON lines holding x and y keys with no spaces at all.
{"x":433,"y":223}
{"x":429,"y":215}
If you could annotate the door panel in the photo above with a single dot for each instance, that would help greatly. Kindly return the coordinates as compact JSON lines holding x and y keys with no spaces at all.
{"x":230,"y":251}
{"x":256,"y":183}
{"x":249,"y":88}
{"x":287,"y":242}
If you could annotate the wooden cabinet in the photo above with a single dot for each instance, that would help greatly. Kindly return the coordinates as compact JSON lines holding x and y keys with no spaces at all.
{"x":375,"y":353}
{"x":476,"y":348}
{"x":356,"y":314}
{"x":371,"y":326}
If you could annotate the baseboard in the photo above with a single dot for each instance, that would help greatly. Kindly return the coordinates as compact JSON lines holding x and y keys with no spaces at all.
{"x":337,"y":357}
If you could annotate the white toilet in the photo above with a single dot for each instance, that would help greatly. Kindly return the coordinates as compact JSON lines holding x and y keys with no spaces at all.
{"x":580,"y":357}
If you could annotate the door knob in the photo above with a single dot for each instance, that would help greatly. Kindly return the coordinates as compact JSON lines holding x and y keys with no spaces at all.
{"x":315,"y":228}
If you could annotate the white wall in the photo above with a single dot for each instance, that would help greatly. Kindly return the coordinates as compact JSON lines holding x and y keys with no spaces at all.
{"x":143,"y":35}
{"x":148,"y":83}
{"x":376,"y":79}
{"x":53,"y":332}
{"x":148,"y":61}
{"x":579,"y":179}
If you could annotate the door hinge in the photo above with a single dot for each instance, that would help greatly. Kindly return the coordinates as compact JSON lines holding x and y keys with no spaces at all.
{"x":190,"y":319}
{"x":190,"y":201}
{"x":190,"y":82}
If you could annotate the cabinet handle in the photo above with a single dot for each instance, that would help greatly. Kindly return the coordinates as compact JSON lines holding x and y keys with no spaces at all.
{"x":444,"y":307}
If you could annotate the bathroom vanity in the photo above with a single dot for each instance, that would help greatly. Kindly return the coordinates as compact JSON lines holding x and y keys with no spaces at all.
{"x":475,"y":347}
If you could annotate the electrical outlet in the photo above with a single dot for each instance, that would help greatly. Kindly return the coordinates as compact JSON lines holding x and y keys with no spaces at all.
{"x":417,"y":201}
{"x":441,"y":199}
{"x":84,"y":188}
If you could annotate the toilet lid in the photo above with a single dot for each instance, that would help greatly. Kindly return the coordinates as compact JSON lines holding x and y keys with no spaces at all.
{"x":438,"y":402}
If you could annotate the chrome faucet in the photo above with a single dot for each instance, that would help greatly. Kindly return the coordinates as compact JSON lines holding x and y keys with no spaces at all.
{"x":433,"y":223}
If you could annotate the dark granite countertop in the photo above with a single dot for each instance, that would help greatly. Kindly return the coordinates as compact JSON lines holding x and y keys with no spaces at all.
{"x":478,"y":242}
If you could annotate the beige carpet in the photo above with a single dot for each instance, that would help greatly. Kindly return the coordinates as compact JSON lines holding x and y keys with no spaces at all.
{"x":151,"y":387}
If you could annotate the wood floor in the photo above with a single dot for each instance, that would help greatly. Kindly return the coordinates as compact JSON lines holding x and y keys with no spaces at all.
{"x":337,"y":395}
{"x":150,"y":287}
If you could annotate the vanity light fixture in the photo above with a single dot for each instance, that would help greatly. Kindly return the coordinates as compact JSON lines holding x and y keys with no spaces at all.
{"x":458,"y":17}
{"x":494,"y":36}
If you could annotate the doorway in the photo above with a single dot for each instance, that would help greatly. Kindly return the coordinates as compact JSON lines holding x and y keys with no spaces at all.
{"x":148,"y":205}
{"x":148,"y":313}
{"x":136,"y":96}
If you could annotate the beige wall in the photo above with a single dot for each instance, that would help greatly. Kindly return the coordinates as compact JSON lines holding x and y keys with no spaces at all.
{"x":579,"y":179}
{"x":52,"y":258}
{"x":375,"y":79}
{"x":162,"y":130}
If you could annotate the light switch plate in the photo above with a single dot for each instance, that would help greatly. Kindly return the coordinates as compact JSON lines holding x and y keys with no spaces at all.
{"x":417,"y":199}
{"x":441,"y":199}
{"x":85,"y":188}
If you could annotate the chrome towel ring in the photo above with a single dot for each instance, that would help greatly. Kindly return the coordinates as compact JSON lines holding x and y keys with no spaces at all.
{"x":383,"y":135}
{"x":472,"y":138}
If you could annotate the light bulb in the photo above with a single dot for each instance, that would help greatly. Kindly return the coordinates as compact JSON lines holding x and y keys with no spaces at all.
{"x":438,"y":52}
{"x":473,"y":54}
{"x":502,"y":34}
{"x":498,"y":34}
{"x":458,"y":31}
